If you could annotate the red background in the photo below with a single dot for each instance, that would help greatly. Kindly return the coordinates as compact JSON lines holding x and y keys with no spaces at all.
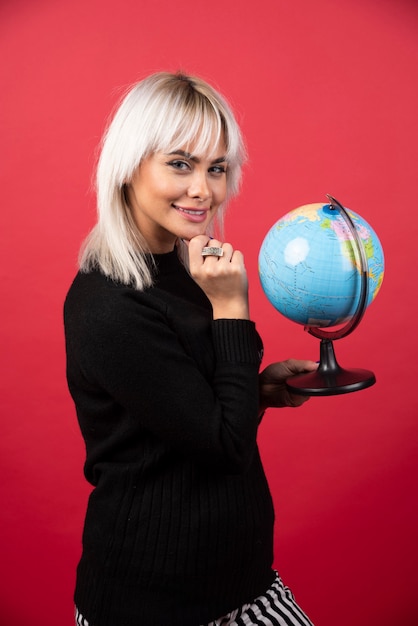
{"x":327,"y":96}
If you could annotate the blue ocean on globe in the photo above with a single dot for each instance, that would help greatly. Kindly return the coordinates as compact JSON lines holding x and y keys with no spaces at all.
{"x":310,"y":268}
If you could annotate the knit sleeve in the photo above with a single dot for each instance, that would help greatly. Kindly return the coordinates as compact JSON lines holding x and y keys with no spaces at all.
{"x":236,"y":341}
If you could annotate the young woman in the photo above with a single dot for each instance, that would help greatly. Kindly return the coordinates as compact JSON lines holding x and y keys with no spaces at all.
{"x":163,"y":366}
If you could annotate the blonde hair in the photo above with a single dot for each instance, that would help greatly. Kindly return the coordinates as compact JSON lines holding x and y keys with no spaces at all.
{"x":160,"y":113}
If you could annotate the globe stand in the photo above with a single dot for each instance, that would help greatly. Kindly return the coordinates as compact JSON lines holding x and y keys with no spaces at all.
{"x":330,"y":378}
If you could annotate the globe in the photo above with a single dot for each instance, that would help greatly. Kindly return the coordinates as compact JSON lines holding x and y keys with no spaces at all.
{"x":309,"y":266}
{"x":322,"y":265}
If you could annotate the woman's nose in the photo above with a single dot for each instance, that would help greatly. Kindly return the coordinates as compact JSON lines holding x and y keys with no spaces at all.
{"x":199,"y":187}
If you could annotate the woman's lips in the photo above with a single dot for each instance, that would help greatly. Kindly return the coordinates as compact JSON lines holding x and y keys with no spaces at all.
{"x":192,"y":214}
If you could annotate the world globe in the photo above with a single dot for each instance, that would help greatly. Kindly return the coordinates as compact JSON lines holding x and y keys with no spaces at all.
{"x":309,"y":267}
{"x":322,"y":265}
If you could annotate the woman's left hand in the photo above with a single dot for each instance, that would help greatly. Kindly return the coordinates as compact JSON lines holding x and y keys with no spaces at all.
{"x":272,"y":383}
{"x":223,"y":279}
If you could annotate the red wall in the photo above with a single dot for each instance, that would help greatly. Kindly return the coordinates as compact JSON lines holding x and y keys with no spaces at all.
{"x":328,"y":99}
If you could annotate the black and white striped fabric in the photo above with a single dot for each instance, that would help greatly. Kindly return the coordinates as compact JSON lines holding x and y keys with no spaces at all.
{"x":277,"y":607}
{"x":79,"y":619}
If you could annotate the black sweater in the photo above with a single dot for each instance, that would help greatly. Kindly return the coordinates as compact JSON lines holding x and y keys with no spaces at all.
{"x":179,"y":525}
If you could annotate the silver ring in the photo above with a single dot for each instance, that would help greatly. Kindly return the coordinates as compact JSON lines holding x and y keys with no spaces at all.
{"x":212,"y":251}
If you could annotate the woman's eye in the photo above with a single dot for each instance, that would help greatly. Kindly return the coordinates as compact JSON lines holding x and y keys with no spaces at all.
{"x":218,"y":169}
{"x":179,"y":165}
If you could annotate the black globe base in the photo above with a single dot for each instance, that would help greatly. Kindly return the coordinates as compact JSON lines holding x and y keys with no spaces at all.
{"x":330,"y":379}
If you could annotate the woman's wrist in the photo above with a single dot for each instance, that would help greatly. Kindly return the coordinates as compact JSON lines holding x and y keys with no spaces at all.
{"x":231,"y":311}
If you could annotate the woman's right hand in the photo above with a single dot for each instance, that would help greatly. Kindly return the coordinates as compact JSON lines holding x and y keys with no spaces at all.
{"x":223,"y":279}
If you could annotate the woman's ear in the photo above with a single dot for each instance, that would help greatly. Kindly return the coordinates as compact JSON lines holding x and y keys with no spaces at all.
{"x":125,"y":191}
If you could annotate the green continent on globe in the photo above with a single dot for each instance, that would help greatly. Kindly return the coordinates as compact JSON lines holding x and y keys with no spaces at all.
{"x":310,"y":268}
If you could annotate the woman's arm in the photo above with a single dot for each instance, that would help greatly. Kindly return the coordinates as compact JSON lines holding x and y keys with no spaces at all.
{"x":133,"y":363}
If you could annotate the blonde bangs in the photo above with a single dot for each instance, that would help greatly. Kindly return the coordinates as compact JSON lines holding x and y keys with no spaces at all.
{"x":193,"y":126}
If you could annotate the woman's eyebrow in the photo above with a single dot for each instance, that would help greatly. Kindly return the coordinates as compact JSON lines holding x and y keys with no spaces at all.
{"x":191,"y":157}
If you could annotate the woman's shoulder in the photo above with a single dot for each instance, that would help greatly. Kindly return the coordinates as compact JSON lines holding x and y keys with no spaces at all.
{"x":90,"y":289}
{"x":94,"y":295}
{"x":94,"y":284}
{"x":93,"y":281}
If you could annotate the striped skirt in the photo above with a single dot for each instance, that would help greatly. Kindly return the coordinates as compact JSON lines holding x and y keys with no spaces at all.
{"x":277,"y":607}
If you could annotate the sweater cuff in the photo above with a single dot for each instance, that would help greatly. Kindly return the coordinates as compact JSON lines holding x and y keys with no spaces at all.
{"x":237,"y":341}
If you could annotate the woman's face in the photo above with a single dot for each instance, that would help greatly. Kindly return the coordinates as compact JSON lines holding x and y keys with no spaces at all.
{"x":177,"y":195}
